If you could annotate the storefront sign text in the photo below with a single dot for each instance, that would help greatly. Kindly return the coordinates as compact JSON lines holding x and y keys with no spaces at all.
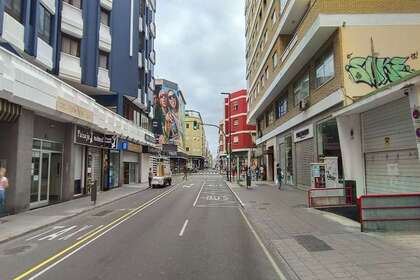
{"x":86,"y":136}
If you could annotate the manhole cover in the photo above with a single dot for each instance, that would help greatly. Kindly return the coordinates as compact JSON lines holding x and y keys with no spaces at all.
{"x":102,"y":213}
{"x":16,"y":250}
{"x":312,"y":243}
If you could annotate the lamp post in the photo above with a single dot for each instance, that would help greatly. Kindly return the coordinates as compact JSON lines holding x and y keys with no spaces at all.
{"x":229,"y":151}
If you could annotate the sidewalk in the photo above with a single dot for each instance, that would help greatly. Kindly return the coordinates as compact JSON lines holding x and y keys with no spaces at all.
{"x":312,"y":244}
{"x":16,"y":225}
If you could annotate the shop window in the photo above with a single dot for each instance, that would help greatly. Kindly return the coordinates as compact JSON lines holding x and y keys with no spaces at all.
{"x":301,"y":89}
{"x":105,"y":16}
{"x":70,"y":45}
{"x":281,"y":107}
{"x":103,"y":59}
{"x":76,"y":3}
{"x":325,"y":70}
{"x":14,"y":9}
{"x":329,"y":142}
{"x":44,"y":25}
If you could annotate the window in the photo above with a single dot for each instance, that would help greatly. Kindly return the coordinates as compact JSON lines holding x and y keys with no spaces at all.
{"x":187,"y":125}
{"x":235,"y":139}
{"x":44,"y":25}
{"x":301,"y":89}
{"x":235,"y":106}
{"x":262,"y":81}
{"x":281,"y":107}
{"x":265,"y":37}
{"x":103,"y":60}
{"x":70,"y":45}
{"x":187,"y":149}
{"x":235,"y":122}
{"x":105,"y":14}
{"x":274,"y":17}
{"x":76,"y":3}
{"x":275,"y":60}
{"x":14,"y":8}
{"x":324,"y":70}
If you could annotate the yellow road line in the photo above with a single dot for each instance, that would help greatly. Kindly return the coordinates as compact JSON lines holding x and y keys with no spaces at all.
{"x":96,"y":232}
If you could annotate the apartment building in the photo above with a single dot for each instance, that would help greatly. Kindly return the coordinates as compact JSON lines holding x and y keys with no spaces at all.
{"x":195,"y":139}
{"x":75,"y":87}
{"x":221,"y":149}
{"x":240,"y":136}
{"x":307,"y":59}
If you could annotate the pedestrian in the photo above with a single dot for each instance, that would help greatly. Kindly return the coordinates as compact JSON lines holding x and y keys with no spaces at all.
{"x":279,"y":175}
{"x":4,"y":184}
{"x":150,"y":177}
{"x":185,"y":173}
{"x":257,"y":173}
{"x":262,"y":172}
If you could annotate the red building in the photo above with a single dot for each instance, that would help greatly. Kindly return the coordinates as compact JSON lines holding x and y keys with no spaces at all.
{"x":236,"y":126}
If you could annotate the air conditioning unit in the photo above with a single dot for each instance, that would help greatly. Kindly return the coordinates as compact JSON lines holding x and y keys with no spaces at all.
{"x":303,"y":104}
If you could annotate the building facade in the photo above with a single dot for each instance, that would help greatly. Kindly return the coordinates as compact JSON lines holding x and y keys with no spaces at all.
{"x":308,"y":59}
{"x":169,"y":122}
{"x":75,"y":89}
{"x":240,"y":136}
{"x":195,"y":140}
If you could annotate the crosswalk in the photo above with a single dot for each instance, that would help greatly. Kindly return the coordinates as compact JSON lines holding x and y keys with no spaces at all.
{"x":206,"y":172}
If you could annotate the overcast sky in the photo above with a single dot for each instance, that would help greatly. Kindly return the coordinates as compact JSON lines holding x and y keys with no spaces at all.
{"x":200,"y":45}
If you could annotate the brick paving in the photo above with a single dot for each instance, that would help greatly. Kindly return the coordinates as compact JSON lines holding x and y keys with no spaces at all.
{"x":281,"y":216}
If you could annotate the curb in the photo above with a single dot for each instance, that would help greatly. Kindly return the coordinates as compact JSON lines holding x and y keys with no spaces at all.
{"x":68,"y":217}
{"x":235,"y":194}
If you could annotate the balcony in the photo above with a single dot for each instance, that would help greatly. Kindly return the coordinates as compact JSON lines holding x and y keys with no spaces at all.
{"x":70,"y":67}
{"x":103,"y":79}
{"x":140,"y":62}
{"x":45,"y":54}
{"x":27,"y":85}
{"x":153,"y":29}
{"x":292,"y":11}
{"x":72,"y":21}
{"x":107,"y":4}
{"x":105,"y":40}
{"x":13,"y":31}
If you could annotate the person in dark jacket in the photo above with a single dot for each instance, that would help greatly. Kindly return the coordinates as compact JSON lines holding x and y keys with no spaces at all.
{"x":279,"y":175}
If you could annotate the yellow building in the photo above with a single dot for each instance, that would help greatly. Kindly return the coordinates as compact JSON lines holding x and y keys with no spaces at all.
{"x":195,"y":140}
{"x":306,"y":60}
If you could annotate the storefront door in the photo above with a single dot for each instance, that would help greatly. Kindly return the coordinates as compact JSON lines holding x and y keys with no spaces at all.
{"x":46,"y":174}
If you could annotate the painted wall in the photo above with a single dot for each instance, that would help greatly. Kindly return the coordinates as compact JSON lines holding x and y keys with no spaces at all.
{"x":194,"y":139}
{"x":377,"y":56}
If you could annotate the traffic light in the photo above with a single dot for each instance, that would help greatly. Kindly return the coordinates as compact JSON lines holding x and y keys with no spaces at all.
{"x":195,"y":125}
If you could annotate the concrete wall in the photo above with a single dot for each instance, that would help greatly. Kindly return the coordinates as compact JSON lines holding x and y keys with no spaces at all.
{"x":349,"y":129}
{"x":144,"y":165}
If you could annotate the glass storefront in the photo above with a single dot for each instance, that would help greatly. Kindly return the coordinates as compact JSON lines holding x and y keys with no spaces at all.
{"x":46,"y":172}
{"x":288,"y":174}
{"x":329,"y":142}
{"x":114,"y":168}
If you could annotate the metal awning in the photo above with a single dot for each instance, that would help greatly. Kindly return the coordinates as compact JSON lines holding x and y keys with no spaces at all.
{"x":9,"y":112}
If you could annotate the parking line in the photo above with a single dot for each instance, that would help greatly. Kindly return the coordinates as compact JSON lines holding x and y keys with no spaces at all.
{"x":181,"y":233}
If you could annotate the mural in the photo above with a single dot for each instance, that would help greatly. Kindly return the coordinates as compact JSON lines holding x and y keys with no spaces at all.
{"x":378,"y":71}
{"x":168,"y":116}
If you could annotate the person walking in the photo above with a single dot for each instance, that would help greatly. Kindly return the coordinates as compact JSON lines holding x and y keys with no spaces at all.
{"x":279,"y":175}
{"x":185,"y":173}
{"x":4,"y":184}
{"x":150,"y":177}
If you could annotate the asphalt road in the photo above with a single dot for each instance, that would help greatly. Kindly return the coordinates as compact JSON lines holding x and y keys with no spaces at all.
{"x":193,"y":230}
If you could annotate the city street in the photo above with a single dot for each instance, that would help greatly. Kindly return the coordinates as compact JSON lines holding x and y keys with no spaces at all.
{"x":192,"y":230}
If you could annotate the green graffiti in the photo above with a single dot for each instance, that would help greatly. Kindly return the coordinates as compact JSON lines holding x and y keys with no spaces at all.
{"x":378,"y":71}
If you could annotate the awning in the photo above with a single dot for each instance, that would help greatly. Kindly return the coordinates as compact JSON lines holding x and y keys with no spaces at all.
{"x":9,"y":112}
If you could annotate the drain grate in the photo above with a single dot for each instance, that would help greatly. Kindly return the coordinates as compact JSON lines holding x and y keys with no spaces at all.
{"x":102,"y":213}
{"x":312,"y":243}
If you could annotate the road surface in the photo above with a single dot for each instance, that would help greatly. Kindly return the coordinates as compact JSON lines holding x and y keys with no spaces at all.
{"x":193,"y":230}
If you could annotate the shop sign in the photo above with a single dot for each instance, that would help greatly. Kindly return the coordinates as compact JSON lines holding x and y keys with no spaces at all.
{"x":64,"y":106}
{"x":87,"y":136}
{"x":123,"y":145}
{"x":304,"y":133}
{"x":132,"y":147}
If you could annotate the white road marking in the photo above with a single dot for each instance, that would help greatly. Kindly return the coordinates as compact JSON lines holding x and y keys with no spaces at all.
{"x":181,"y":233}
{"x":57,"y":234}
{"x":266,"y":252}
{"x":76,"y":232}
{"x":198,"y":195}
{"x":94,"y":230}
{"x":45,"y":232}
{"x":186,"y":187}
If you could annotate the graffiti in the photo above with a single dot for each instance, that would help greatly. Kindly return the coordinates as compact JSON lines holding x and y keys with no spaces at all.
{"x":378,"y":71}
{"x":168,"y":116}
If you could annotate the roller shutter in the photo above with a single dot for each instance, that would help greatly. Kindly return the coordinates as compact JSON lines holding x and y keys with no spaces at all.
{"x":304,"y":158}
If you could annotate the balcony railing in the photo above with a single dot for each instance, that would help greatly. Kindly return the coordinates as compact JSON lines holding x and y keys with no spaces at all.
{"x":72,"y":21}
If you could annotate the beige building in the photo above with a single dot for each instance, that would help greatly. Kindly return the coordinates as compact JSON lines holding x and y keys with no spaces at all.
{"x":307,"y":59}
{"x":195,"y":140}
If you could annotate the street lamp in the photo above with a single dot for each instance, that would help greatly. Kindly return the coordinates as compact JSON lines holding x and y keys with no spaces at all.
{"x":229,"y":172}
